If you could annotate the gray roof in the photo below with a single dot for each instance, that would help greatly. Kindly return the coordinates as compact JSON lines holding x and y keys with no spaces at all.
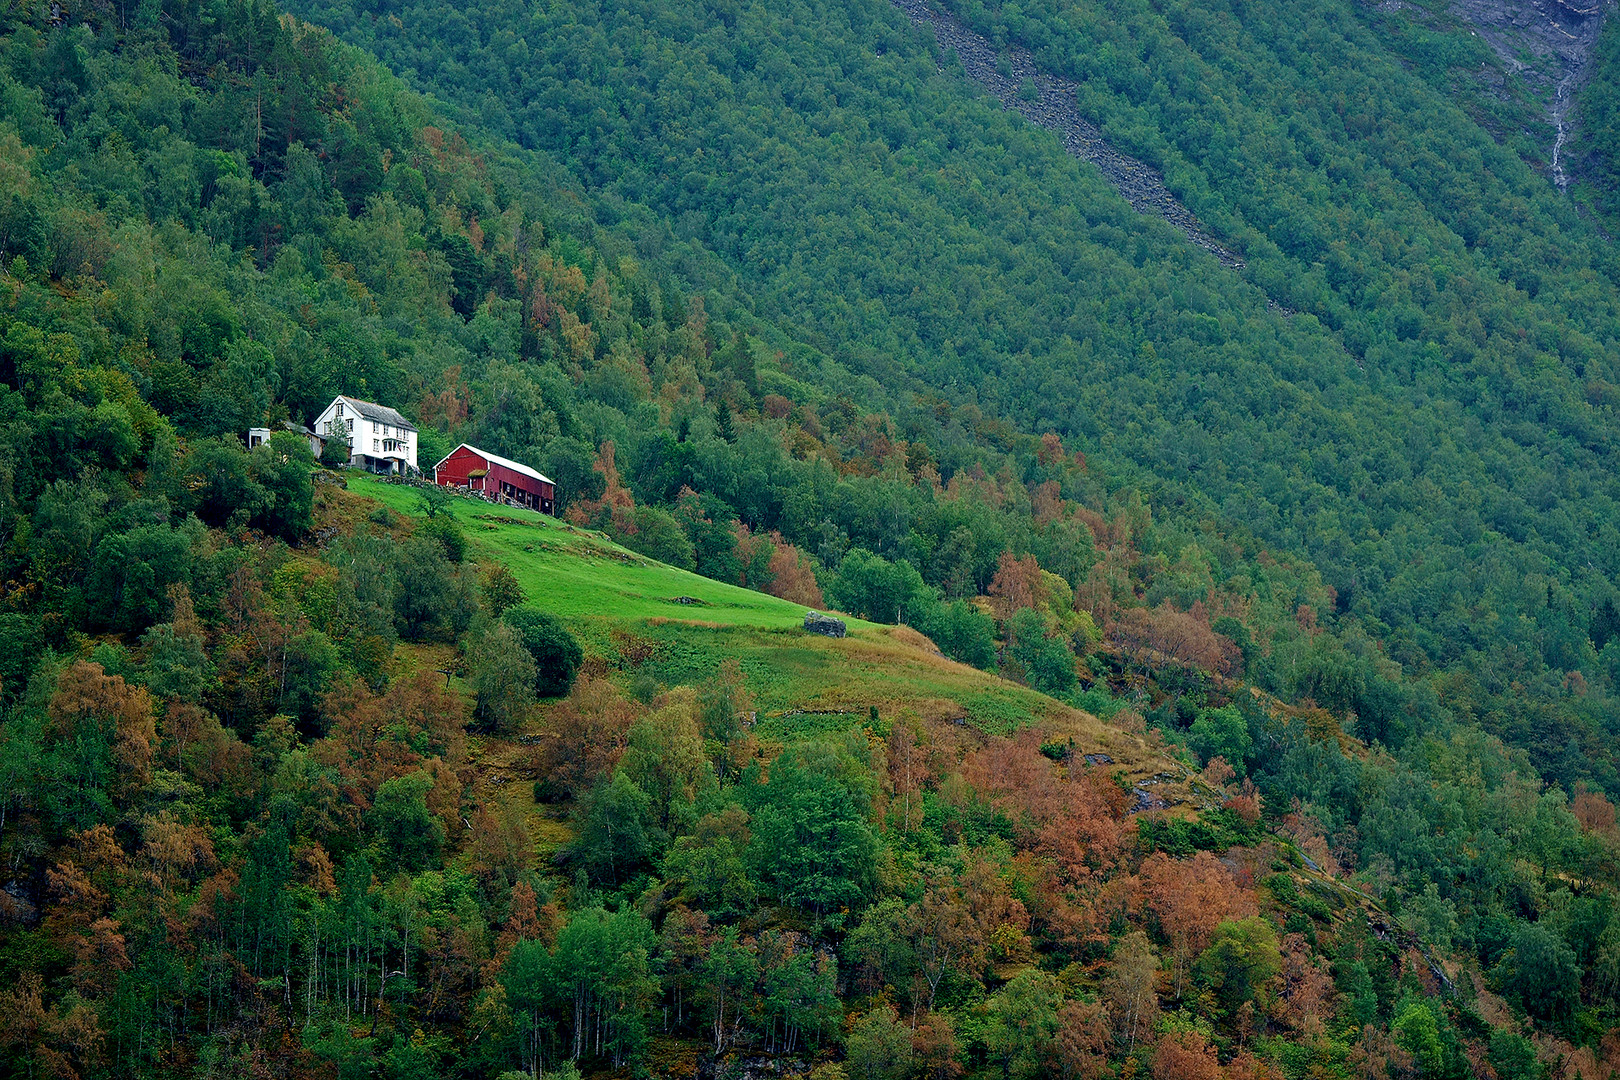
{"x":380,"y":413}
{"x":290,"y":425}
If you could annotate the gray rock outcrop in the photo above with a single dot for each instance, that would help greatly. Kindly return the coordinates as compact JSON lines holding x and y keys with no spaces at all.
{"x":817,"y":623}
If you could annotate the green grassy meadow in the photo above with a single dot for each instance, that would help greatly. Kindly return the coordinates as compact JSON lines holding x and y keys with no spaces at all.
{"x":620,"y":603}
{"x":581,"y":574}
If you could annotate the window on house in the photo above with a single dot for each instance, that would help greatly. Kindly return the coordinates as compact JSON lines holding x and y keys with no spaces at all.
{"x":340,"y":408}
{"x":374,"y":447}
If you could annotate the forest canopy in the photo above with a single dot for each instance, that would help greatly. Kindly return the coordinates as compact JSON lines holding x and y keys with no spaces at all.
{"x":298,"y":780}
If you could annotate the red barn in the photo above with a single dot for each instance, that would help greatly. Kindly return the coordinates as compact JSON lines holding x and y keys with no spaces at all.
{"x":502,"y":478}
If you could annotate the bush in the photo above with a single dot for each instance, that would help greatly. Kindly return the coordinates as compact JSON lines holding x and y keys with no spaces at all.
{"x":556,"y":652}
{"x":446,"y":532}
{"x":335,"y":453}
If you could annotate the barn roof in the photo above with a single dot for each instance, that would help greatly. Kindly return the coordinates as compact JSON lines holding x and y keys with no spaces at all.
{"x":496,"y":459}
{"x":380,"y":413}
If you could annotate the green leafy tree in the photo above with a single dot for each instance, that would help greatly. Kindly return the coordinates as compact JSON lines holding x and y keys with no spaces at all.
{"x":177,"y":665}
{"x":1023,"y":1023}
{"x":1046,"y":660}
{"x":874,"y":588}
{"x":1539,"y":972}
{"x":1242,"y":958}
{"x":878,"y":1046}
{"x":335,"y":452}
{"x":502,"y":673}
{"x":501,"y":590}
{"x":445,"y":530}
{"x":1514,"y":1057}
{"x":131,"y":573}
{"x":430,"y":596}
{"x":20,"y":643}
{"x":728,"y":971}
{"x":800,"y":993}
{"x":281,"y":467}
{"x":615,"y":835}
{"x":1417,"y":1031}
{"x":570,"y":464}
{"x":657,"y":533}
{"x":811,"y":844}
{"x":708,"y":871}
{"x":529,"y":979}
{"x":222,"y":485}
{"x":408,"y":830}
{"x":963,"y":632}
{"x":602,"y":964}
{"x":1221,"y":733}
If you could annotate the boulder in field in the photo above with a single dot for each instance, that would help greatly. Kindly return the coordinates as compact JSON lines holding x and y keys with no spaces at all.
{"x":817,"y":623}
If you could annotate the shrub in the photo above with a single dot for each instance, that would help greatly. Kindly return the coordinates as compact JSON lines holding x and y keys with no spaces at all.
{"x":556,"y":652}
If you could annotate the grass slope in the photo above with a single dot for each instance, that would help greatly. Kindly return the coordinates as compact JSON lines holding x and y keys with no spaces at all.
{"x":802,"y":684}
{"x":581,"y":574}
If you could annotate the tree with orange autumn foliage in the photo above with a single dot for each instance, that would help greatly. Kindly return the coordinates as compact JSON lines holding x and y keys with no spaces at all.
{"x":1075,"y":817}
{"x":64,"y":1043}
{"x":1190,"y":898}
{"x":1083,"y":1040}
{"x":792,"y":575}
{"x":1166,"y":633}
{"x":88,"y":698}
{"x":1017,"y":584}
{"x":615,"y":508}
{"x":585,"y":735}
{"x":935,"y":1052}
{"x":1306,"y":995}
{"x":1185,"y":1055}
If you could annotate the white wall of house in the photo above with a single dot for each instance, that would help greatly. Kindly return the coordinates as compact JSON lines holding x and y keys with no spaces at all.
{"x":257,"y":436}
{"x":375,"y":444}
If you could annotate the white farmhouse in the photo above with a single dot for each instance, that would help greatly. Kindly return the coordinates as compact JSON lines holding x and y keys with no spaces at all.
{"x":380,"y":440}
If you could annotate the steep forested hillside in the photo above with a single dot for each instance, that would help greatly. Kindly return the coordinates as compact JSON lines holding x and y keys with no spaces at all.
{"x":304,"y":780}
{"x":1436,"y":435}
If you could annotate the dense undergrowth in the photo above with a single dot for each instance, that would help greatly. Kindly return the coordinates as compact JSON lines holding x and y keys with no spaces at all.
{"x":249,"y":820}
